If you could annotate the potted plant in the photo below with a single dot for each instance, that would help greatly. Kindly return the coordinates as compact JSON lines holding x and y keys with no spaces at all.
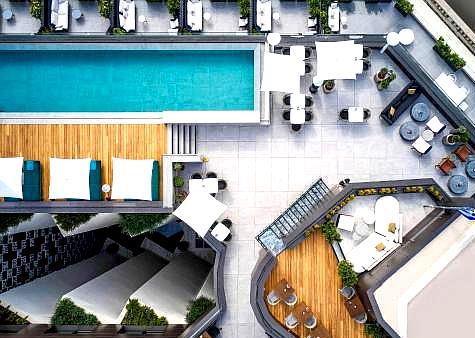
{"x":445,"y":52}
{"x":459,"y":135}
{"x":178,"y":182}
{"x":404,"y":7}
{"x":347,"y":274}
{"x":178,"y":166}
{"x":180,"y":196}
{"x":244,"y":8}
{"x":390,"y":77}
{"x":328,"y":86}
{"x":36,"y":8}
{"x":173,"y":8}
{"x":381,"y":75}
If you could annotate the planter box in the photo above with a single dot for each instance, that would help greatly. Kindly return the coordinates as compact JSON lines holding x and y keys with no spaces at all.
{"x":400,"y":10}
{"x":446,"y":61}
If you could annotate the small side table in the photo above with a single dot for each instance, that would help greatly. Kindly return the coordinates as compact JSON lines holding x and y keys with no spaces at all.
{"x":7,"y":14}
{"x":106,"y":188}
{"x":428,"y":135}
{"x":76,"y":14}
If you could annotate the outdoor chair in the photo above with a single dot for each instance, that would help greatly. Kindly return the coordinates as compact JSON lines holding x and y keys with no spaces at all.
{"x":228,"y":238}
{"x":286,"y":99}
{"x":308,"y":52}
{"x":227,"y":223}
{"x":222,"y":185}
{"x":285,"y":50}
{"x":272,"y":298}
{"x":446,"y":165}
{"x":308,"y":101}
{"x":366,"y":52}
{"x":308,"y":68}
{"x":196,"y":176}
{"x":362,"y":318}
{"x":296,"y":127}
{"x":344,"y":114}
{"x":291,"y":300}
{"x":308,"y":116}
{"x":347,"y":292}
{"x":211,"y":175}
{"x":366,"y":113}
{"x":421,"y":146}
{"x":366,"y":64}
{"x":463,"y":152}
{"x":435,"y":125}
{"x":291,"y":322}
{"x":310,"y":323}
{"x":286,"y":115}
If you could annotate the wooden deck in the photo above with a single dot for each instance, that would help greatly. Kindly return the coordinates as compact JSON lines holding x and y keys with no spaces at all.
{"x":311,"y":269}
{"x":100,"y":142}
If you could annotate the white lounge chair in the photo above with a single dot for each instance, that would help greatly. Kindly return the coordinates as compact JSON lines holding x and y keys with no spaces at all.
{"x":435,"y":125}
{"x":127,"y":15}
{"x":60,"y":15}
{"x":264,"y":15}
{"x":421,"y":146}
{"x":194,"y":11}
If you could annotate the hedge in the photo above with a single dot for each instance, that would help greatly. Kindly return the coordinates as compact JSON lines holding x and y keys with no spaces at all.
{"x":347,"y":275}
{"x":8,"y":317}
{"x":12,"y":220}
{"x":68,"y":313}
{"x":142,"y":315}
{"x":197,"y":308}
{"x":69,"y":222}
{"x":446,"y":53}
{"x":135,"y":224}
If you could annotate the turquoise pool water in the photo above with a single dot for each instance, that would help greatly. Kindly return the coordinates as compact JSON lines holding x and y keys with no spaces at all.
{"x":127,"y":80}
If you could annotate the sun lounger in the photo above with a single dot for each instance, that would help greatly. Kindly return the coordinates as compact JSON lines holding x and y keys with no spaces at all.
{"x":127,"y":15}
{"x":60,"y":15}
{"x":31,"y":182}
{"x":194,"y":18}
{"x":264,"y":15}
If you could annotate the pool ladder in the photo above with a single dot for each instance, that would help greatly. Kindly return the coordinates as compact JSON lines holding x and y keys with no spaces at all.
{"x":181,"y":139}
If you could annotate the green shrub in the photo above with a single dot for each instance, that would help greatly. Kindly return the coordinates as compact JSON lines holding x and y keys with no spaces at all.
{"x":374,"y":330}
{"x":45,"y":30}
{"x":36,"y":8}
{"x":390,"y":77}
{"x":8,"y":317}
{"x":404,"y":6}
{"x":105,"y":8}
{"x":68,"y":313}
{"x":330,"y":231}
{"x":197,"y":308}
{"x":313,"y":8}
{"x":347,"y":275}
{"x":178,"y":181}
{"x":135,"y":224}
{"x":178,"y":166}
{"x":446,"y":53}
{"x":118,"y":31}
{"x":69,"y":222}
{"x":12,"y":220}
{"x":142,"y":315}
{"x":173,"y":8}
{"x":244,"y":8}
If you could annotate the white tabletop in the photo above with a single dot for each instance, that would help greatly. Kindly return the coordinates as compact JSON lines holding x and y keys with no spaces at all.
{"x":355,"y":114}
{"x":406,"y":36}
{"x":334,"y":18}
{"x":392,"y":39}
{"x":346,"y":222}
{"x":298,"y":52}
{"x":450,"y":88}
{"x":297,"y":116}
{"x":220,"y":232}
{"x":297,"y":101}
{"x":210,"y":185}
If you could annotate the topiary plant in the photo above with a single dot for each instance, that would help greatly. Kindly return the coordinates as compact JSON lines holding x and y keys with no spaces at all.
{"x":69,"y":222}
{"x":12,"y":220}
{"x":142,"y":315}
{"x":68,"y":313}
{"x":135,"y":224}
{"x":347,"y":274}
{"x":178,"y":182}
{"x":105,"y":8}
{"x":244,"y":8}
{"x":173,"y":8}
{"x":404,"y":6}
{"x":36,"y":8}
{"x":330,"y":231}
{"x":197,"y":308}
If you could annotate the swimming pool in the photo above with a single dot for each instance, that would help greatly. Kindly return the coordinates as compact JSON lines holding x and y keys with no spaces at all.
{"x":89,"y":78}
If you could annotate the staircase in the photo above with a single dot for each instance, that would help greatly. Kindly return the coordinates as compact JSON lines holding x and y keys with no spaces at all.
{"x":271,"y":238}
{"x":181,"y":139}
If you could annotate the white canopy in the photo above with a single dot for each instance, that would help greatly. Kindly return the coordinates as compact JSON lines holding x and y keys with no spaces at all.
{"x":199,"y":210}
{"x":69,"y":178}
{"x":132,"y":179}
{"x":281,"y":73}
{"x":339,"y":60}
{"x":11,"y":175}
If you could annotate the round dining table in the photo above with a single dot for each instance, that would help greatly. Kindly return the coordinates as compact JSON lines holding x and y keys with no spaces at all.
{"x":420,"y":112}
{"x":470,"y":169}
{"x":458,"y":184}
{"x":409,"y":131}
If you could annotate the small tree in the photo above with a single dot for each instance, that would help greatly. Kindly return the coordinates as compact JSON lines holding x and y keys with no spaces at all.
{"x":68,"y":313}
{"x":8,"y":317}
{"x":347,"y":275}
{"x":36,"y":8}
{"x":330,"y":232}
{"x":12,"y":220}
{"x":244,"y":8}
{"x":142,"y":315}
{"x":105,"y":8}
{"x":374,"y":330}
{"x":69,"y":222}
{"x":197,"y":308}
{"x":135,"y":224}
{"x":173,"y":7}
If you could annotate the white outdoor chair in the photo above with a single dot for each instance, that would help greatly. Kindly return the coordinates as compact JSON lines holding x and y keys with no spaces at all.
{"x":421,"y":146}
{"x":435,"y":125}
{"x":291,"y":322}
{"x":362,"y":318}
{"x":276,"y":17}
{"x":310,"y":323}
{"x":347,"y":292}
{"x":207,"y":16}
{"x":272,"y":298}
{"x":291,"y":300}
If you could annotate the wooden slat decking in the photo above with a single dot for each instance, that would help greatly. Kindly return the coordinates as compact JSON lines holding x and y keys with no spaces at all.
{"x":311,"y":269}
{"x":100,"y":142}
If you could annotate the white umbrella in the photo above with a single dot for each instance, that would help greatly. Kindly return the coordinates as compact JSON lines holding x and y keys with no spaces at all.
{"x":281,"y":73}
{"x":338,"y":60}
{"x":199,"y":210}
{"x":273,"y":39}
{"x":132,"y":179}
{"x":392,"y":39}
{"x":69,"y":178}
{"x":11,"y":173}
{"x":406,"y":36}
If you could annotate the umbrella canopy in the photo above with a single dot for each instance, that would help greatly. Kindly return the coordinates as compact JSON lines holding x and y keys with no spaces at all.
{"x":132,"y":179}
{"x":339,"y":60}
{"x":199,"y":210}
{"x":11,"y":171}
{"x":281,"y":73}
{"x":69,"y":178}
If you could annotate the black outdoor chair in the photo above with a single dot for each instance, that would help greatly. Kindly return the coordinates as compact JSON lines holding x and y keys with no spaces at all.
{"x":366,"y":52}
{"x":308,"y":52}
{"x":366,"y":113}
{"x":222,"y":184}
{"x":296,"y":127}
{"x":344,"y":114}
{"x":196,"y":176}
{"x":308,"y":68}
{"x":286,"y":99}
{"x":308,"y":101}
{"x":211,"y":175}
{"x":228,"y":238}
{"x":286,"y":115}
{"x":227,"y":223}
{"x":366,"y":64}
{"x":285,"y":50}
{"x":308,"y":116}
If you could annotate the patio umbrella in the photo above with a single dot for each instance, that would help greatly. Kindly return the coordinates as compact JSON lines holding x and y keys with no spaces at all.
{"x":69,"y":178}
{"x":199,"y":210}
{"x":11,"y":173}
{"x":338,"y":60}
{"x":131,"y":179}
{"x":281,"y":73}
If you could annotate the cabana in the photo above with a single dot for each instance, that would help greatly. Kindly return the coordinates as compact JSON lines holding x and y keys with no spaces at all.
{"x":200,"y":210}
{"x":282,"y":73}
{"x":339,"y":60}
{"x":135,"y":179}
{"x":20,"y":180}
{"x":75,"y":179}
